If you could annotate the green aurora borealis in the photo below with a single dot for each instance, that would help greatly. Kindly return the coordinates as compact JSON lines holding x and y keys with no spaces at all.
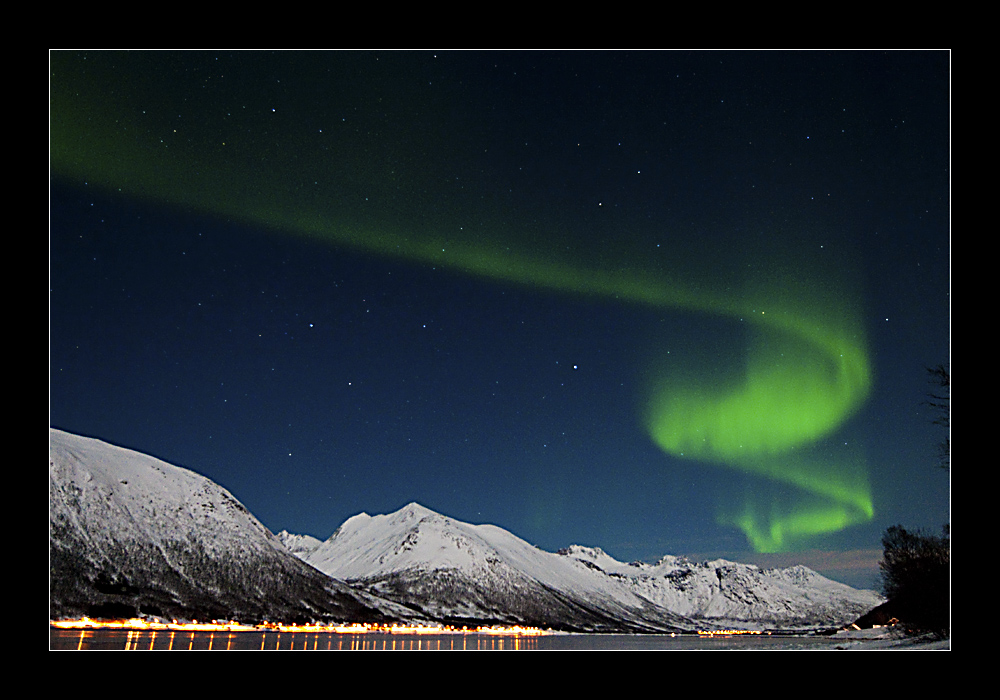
{"x":805,"y":367}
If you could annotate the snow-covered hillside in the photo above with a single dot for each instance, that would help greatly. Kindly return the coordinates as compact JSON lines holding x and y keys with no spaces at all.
{"x":423,"y":559}
{"x":131,"y":534}
{"x":458,"y":572}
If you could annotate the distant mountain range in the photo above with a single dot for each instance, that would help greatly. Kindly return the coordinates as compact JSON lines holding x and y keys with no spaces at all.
{"x":130,"y":534}
{"x":454,"y":571}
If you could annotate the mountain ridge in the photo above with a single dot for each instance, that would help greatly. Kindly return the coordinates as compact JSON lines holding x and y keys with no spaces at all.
{"x":132,"y":535}
{"x":415,"y":547}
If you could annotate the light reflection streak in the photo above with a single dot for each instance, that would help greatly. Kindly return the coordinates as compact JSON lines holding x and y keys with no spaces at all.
{"x":149,"y":635}
{"x":149,"y":640}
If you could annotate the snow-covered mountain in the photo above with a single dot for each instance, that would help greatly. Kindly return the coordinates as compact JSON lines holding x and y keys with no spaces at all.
{"x":452,"y":570}
{"x":736,"y":594}
{"x":461,"y":573}
{"x":131,"y":534}
{"x":299,"y":545}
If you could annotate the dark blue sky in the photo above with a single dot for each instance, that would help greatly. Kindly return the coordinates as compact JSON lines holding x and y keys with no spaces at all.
{"x":241,"y":283}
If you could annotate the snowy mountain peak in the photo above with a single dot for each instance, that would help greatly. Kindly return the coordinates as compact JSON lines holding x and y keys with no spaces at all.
{"x":581,"y":552}
{"x":593,"y":556}
{"x":413,"y":537}
{"x":414,"y":511}
{"x":299,"y":545}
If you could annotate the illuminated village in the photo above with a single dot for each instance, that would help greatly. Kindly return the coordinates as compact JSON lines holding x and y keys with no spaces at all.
{"x":139,"y":624}
{"x":143,"y":634}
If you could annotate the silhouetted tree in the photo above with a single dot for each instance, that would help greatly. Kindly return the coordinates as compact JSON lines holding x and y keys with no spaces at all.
{"x":940,"y":400}
{"x":916,"y":566}
{"x":915,"y":576}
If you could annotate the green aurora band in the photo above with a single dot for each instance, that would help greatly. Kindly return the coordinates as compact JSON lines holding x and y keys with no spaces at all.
{"x":806,"y":371}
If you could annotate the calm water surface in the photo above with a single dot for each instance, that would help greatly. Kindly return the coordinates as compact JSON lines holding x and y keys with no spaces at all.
{"x":303,"y":641}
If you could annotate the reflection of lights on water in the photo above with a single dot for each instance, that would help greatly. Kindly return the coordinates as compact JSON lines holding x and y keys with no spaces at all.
{"x":727,"y":633}
{"x":137,"y":625}
{"x":146,"y":634}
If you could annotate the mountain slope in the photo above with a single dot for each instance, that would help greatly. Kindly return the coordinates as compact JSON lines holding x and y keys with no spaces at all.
{"x":459,"y":572}
{"x":131,"y":534}
{"x":454,"y":570}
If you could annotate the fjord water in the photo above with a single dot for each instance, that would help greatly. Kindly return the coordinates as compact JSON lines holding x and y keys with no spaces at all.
{"x":166,"y":640}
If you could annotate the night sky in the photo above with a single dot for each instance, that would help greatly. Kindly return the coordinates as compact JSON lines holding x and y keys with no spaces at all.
{"x":657,"y":302}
